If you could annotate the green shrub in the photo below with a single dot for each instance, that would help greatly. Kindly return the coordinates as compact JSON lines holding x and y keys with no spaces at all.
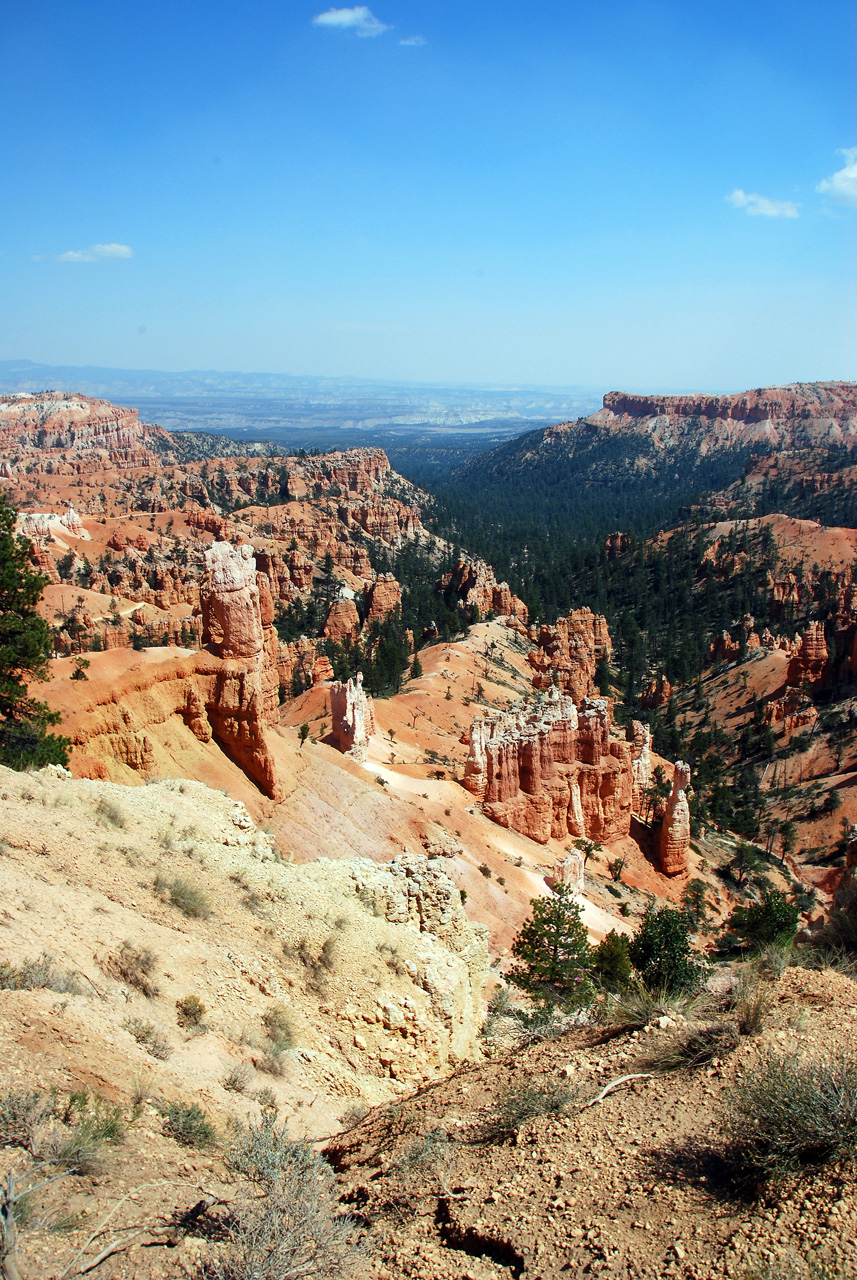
{"x":661,"y":953}
{"x":292,"y":1229}
{"x":771,"y":922}
{"x":187,"y":1124}
{"x":553,"y":951}
{"x":611,"y":965}
{"x":788,"y":1114}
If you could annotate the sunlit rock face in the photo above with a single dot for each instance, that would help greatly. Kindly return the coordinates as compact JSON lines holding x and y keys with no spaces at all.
{"x":353,"y":717}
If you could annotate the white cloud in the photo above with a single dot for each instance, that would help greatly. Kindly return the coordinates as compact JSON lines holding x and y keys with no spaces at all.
{"x":360,"y":19}
{"x":761,"y":207}
{"x":842,"y":185}
{"x":413,"y":40}
{"x":95,"y":253}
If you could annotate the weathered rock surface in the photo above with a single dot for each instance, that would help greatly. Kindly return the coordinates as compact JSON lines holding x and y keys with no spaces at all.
{"x":640,"y":739}
{"x":472,"y":584}
{"x":569,"y":653}
{"x":675,"y":828}
{"x":552,"y":770}
{"x":353,"y":717}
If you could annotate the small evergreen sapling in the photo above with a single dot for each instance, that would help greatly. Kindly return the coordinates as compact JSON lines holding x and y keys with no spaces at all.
{"x":553,"y":952}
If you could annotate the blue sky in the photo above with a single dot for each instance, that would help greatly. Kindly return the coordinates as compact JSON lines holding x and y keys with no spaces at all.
{"x":641,"y":195}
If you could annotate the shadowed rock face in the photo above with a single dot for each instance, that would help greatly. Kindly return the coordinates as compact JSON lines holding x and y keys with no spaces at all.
{"x":553,"y":771}
{"x":472,"y":584}
{"x":237,"y":618}
{"x":675,"y":829}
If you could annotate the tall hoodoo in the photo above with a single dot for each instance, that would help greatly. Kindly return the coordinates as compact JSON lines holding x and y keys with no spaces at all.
{"x":675,"y":829}
{"x":353,"y":717}
{"x":237,"y":627}
{"x":640,"y":737}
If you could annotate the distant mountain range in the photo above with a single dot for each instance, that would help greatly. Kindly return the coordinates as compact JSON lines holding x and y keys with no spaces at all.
{"x":270,"y":402}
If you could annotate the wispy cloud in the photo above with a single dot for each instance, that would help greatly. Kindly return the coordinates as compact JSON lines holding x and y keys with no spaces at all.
{"x":842,"y":185}
{"x":413,"y":40}
{"x":760,"y":206}
{"x":360,"y":19}
{"x":95,"y":253}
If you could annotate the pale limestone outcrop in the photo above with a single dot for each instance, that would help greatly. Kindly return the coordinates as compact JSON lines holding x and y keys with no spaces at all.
{"x":552,"y":770}
{"x":570,"y":871}
{"x":640,"y":737}
{"x":675,"y":828}
{"x":353,"y":717}
{"x":415,"y":891}
{"x":72,"y":522}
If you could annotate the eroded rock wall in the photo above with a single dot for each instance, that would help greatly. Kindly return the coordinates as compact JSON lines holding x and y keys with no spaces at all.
{"x":553,"y":770}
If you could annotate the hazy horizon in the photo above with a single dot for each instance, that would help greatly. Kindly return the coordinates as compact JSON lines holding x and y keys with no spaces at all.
{"x":628,"y":196}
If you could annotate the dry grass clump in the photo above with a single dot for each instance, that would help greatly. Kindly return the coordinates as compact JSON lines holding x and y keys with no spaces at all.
{"x":36,"y":975}
{"x":431,"y":1154}
{"x":695,"y":1048}
{"x":789,"y":1114}
{"x":189,"y":898}
{"x":524,"y":1101}
{"x":638,"y":1005}
{"x":237,"y":1078}
{"x":135,"y":966}
{"x":147,"y":1035}
{"x":753,"y":1002}
{"x":110,"y":813}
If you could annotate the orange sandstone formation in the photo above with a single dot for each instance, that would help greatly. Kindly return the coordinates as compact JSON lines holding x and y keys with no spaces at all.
{"x":472,"y":584}
{"x":553,"y":770}
{"x":343,"y":621}
{"x":675,"y":829}
{"x":237,"y":619}
{"x":569,"y":653}
{"x":809,"y":659}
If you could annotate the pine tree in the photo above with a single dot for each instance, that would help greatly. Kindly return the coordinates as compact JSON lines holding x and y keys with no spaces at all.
{"x":553,"y":949}
{"x":660,"y":951}
{"x":25,"y":646}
